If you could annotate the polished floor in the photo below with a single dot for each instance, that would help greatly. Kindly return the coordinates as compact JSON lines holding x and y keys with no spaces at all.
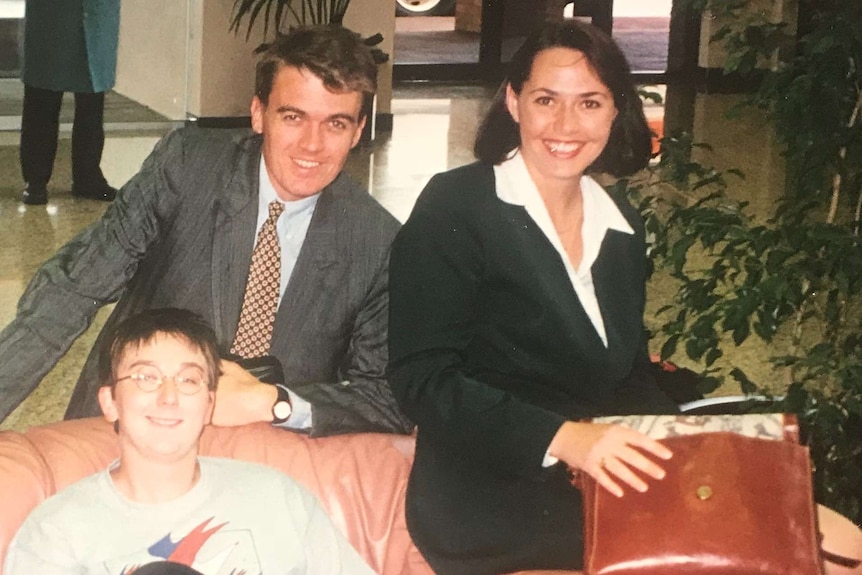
{"x":432,"y":131}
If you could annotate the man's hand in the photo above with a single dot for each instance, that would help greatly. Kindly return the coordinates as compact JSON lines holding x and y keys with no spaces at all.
{"x":241,"y":398}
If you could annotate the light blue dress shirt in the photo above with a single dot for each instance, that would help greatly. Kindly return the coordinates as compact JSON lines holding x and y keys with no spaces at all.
{"x":292,"y":226}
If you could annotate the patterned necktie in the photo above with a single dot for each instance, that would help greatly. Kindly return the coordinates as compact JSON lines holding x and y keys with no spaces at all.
{"x":254,"y":332}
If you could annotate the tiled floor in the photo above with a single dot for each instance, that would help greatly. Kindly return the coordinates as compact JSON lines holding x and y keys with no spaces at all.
{"x":433,"y":131}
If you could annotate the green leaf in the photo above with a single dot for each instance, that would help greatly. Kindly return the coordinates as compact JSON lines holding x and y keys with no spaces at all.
{"x":745,"y":384}
{"x":712,"y":355}
{"x":669,"y":347}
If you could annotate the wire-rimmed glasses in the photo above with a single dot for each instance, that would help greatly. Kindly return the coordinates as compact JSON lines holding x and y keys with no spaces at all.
{"x":151,"y":381}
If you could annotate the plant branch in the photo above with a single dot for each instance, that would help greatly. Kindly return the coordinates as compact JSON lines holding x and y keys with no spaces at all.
{"x":836,"y":178}
{"x":858,"y":213}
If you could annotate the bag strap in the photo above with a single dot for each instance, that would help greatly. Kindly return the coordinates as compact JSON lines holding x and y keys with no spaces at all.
{"x":841,"y":560}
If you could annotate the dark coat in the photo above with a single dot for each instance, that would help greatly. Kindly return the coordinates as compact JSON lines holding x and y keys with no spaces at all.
{"x":71,"y":45}
{"x":181,"y":234}
{"x":490,"y":352}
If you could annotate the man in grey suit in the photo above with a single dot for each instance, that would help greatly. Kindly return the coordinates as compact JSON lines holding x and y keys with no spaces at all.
{"x":181,"y":234}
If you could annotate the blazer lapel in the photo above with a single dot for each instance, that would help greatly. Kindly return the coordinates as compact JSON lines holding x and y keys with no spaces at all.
{"x":547,"y":268}
{"x":617,"y":277}
{"x":233,"y":241}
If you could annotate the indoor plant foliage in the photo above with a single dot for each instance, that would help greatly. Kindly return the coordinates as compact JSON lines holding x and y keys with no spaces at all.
{"x":280,"y":15}
{"x":793,"y":279}
{"x":276,"y":13}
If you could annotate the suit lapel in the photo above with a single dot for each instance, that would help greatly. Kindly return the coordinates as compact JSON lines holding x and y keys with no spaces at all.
{"x":318,"y":257}
{"x":617,"y":286}
{"x":546,"y":267}
{"x":617,"y":277}
{"x":233,"y":241}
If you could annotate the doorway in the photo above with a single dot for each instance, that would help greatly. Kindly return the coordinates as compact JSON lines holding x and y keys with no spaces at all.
{"x":478,"y":37}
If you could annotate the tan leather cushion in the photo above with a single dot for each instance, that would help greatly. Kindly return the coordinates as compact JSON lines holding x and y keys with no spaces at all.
{"x":25,"y":480}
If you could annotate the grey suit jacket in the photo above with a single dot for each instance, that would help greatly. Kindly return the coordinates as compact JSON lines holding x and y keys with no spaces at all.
{"x":181,"y":234}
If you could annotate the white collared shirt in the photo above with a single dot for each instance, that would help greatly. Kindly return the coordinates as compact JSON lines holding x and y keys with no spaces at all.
{"x":515,"y":186}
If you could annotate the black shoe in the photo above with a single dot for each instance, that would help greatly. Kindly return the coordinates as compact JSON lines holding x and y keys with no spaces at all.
{"x":102,"y":193}
{"x":35,"y":195}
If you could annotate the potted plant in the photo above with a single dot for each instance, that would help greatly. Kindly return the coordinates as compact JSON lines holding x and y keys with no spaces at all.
{"x":791,"y":279}
{"x":278,"y":14}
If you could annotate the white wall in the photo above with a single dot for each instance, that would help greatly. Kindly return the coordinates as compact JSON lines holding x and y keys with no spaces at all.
{"x":151,"y":58}
{"x":368,"y":17}
{"x":223,"y":72}
{"x":178,"y":57}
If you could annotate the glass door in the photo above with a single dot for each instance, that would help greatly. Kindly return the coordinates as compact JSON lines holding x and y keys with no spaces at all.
{"x":470,"y":40}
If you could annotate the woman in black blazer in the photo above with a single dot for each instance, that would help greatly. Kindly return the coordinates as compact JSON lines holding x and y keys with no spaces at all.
{"x":516,"y":303}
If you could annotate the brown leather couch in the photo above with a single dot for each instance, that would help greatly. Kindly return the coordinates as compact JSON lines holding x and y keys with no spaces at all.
{"x":360,"y":479}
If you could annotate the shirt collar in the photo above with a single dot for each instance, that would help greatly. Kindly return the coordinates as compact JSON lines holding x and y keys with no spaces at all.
{"x":515,"y":186}
{"x":267,"y":193}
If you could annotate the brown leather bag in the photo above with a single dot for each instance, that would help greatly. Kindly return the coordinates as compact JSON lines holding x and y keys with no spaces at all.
{"x":729,"y":505}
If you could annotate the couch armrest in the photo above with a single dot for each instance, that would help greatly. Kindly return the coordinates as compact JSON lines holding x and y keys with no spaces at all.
{"x":25,"y":480}
{"x":75,"y":449}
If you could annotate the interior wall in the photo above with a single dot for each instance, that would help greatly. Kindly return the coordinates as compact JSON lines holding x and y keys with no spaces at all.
{"x":225,"y":66}
{"x":151,"y":57}
{"x":368,"y":17}
{"x":188,"y":63}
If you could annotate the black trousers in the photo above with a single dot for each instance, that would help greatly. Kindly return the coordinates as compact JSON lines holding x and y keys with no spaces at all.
{"x":40,"y":124}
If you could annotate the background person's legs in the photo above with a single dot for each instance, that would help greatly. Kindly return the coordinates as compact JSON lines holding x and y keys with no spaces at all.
{"x":88,"y":141}
{"x":40,"y":122}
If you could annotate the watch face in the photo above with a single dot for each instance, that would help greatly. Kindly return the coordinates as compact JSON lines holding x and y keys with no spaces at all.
{"x":281,"y":410}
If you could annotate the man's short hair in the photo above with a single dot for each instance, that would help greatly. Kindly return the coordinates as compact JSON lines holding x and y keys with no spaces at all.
{"x":141,"y":328}
{"x":333,"y":53}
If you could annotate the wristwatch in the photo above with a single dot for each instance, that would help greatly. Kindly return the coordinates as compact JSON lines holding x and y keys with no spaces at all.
{"x":282,"y":408}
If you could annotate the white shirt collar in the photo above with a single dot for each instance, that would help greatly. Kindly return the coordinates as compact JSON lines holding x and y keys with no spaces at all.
{"x":515,"y":186}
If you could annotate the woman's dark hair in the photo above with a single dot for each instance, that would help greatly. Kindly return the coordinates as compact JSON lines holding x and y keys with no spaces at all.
{"x":141,"y":328}
{"x":630,"y":143}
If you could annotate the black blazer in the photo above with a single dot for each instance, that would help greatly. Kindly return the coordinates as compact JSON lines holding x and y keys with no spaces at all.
{"x":490,"y":352}
{"x":181,"y":233}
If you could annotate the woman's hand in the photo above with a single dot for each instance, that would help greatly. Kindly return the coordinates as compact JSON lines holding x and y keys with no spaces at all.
{"x":609,"y":453}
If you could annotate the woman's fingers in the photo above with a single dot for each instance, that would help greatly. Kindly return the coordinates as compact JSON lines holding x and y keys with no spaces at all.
{"x":604,"y":479}
{"x":635,"y":458}
{"x":621,"y":471}
{"x":649,"y":445}
{"x":623,"y":468}
{"x":615,"y":456}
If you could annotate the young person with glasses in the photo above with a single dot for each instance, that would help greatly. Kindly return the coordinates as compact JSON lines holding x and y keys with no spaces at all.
{"x":161,"y":508}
